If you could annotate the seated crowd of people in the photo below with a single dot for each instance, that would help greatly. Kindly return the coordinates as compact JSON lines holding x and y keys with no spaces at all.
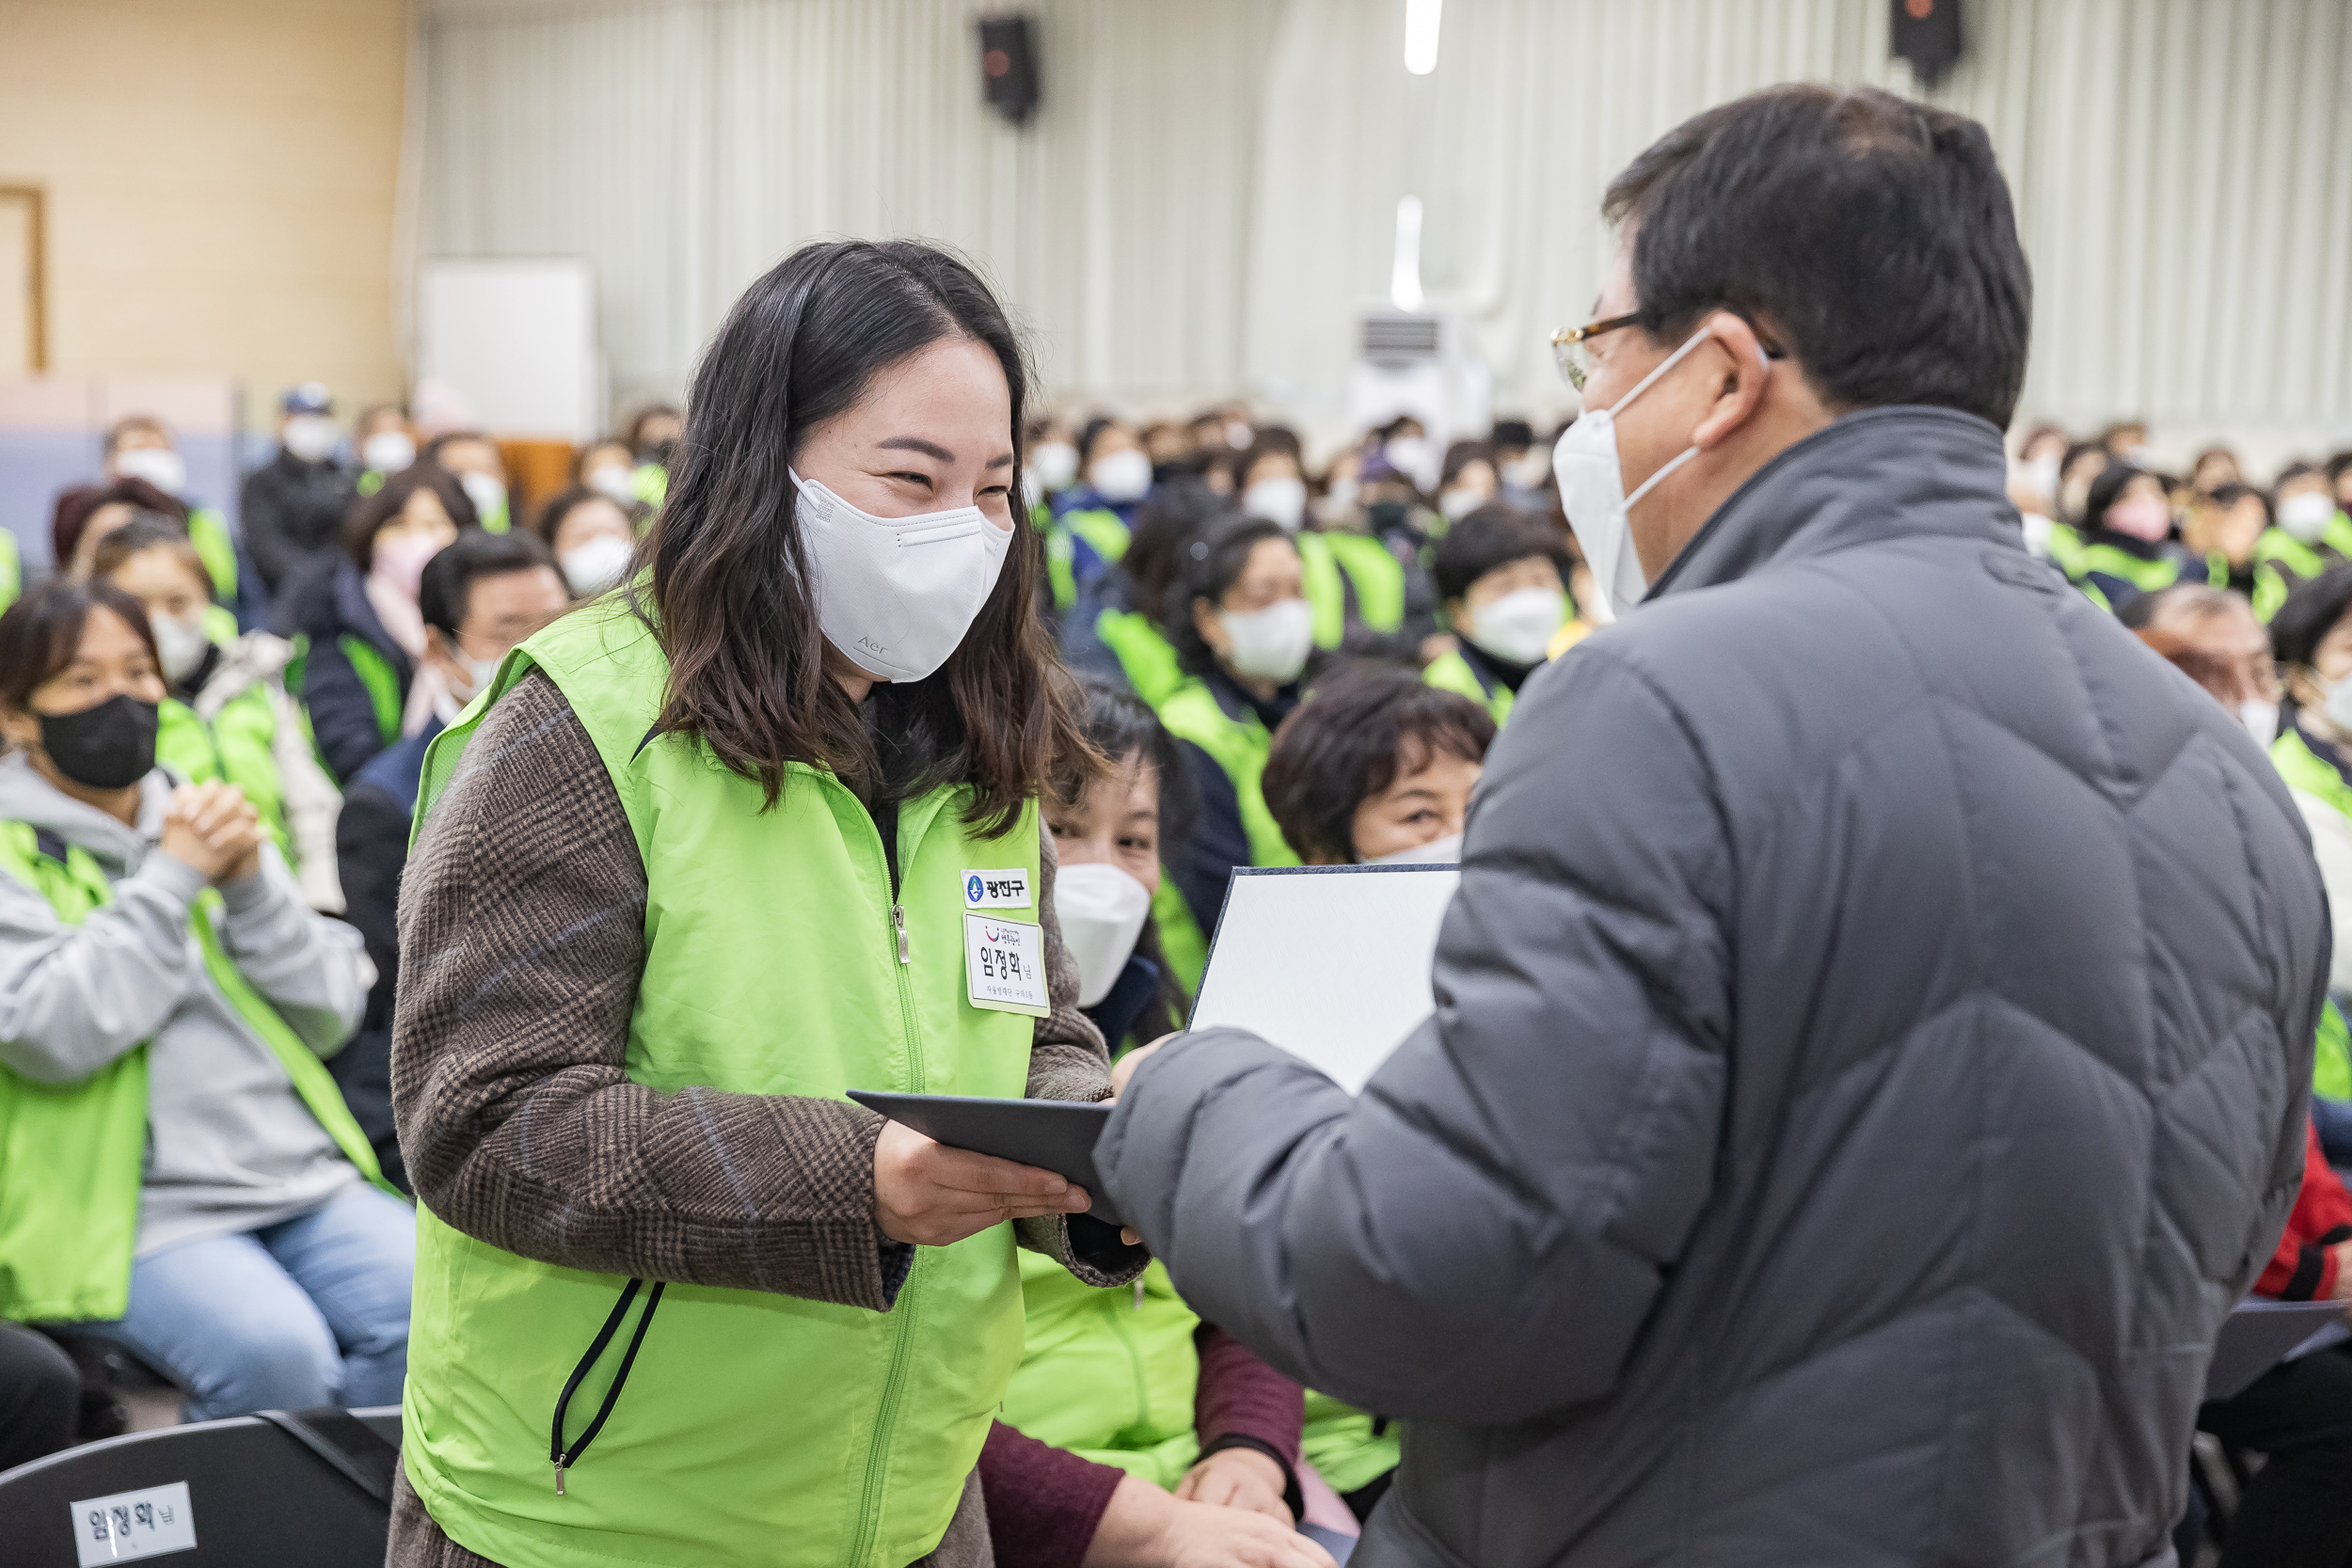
{"x":1288,"y":664}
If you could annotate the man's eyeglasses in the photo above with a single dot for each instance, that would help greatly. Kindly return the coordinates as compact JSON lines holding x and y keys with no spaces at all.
{"x":1574,"y":359}
{"x":1569,"y":352}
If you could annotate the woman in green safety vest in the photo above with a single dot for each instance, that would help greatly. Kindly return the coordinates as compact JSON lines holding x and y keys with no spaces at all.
{"x":1158,"y":1424}
{"x":1374,"y":767}
{"x":653,"y":438}
{"x":178,"y":1175}
{"x":1502,"y":575}
{"x":591,"y":536}
{"x":2126,"y":546}
{"x":140,"y":447}
{"x":708,"y":854}
{"x":478,"y":466}
{"x":2311,"y":639}
{"x":1086,"y":531}
{"x":1367,"y":591}
{"x":2308,"y":513}
{"x":228,"y":717}
{"x":1123,"y":641}
{"x":384,"y":442}
{"x":2230,"y":529}
{"x":1239,"y":621}
{"x":357,"y":618}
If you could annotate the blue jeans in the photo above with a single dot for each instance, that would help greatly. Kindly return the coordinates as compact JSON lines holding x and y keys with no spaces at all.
{"x":313,"y":1311}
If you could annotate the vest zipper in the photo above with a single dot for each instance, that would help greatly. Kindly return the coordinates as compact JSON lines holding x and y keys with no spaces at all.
{"x":906,"y":1311}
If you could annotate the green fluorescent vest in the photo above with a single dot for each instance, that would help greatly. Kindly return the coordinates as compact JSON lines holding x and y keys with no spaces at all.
{"x":1377,"y":577}
{"x":1146,"y":655}
{"x":1181,"y":941}
{"x":1239,"y":746}
{"x":238,"y":746}
{"x":2149,"y":577}
{"x":71,"y":1154}
{"x":12,"y":570}
{"x":1108,"y":1375}
{"x":207,"y":531}
{"x":754,"y":1427}
{"x":1453,"y":672}
{"x":2308,"y":773}
{"x":1347,"y":1447}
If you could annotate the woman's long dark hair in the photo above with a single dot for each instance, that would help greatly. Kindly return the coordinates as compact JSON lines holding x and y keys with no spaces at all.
{"x":729,"y":593}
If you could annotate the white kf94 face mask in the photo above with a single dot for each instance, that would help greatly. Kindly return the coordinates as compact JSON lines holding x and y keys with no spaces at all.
{"x":1102,"y":909}
{"x":896,"y":594}
{"x":1592,"y":491}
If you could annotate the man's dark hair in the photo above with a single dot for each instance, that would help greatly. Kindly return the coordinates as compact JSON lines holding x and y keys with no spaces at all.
{"x":1206,"y":568}
{"x":148,"y":530}
{"x":449,"y":578}
{"x":1494,"y":535}
{"x":1511,"y":435}
{"x":2311,"y":612}
{"x":1365,"y":725}
{"x":1872,"y":237}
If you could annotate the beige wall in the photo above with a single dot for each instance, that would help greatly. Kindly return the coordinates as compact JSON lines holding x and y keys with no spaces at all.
{"x":220,"y":176}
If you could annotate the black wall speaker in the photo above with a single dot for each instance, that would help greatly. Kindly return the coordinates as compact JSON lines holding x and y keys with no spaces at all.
{"x":1008,"y":66}
{"x":1927,"y":33}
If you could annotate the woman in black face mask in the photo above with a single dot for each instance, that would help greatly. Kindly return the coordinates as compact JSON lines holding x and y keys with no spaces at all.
{"x":177,"y":1172}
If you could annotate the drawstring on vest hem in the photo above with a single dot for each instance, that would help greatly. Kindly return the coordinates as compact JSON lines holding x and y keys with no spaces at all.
{"x":558,"y":1456}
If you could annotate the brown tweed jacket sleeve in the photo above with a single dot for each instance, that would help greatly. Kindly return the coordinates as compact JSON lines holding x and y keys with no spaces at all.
{"x":522,"y":937}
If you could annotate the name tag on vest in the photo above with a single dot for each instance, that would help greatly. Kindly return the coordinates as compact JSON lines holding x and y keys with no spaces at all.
{"x":1003,"y":964}
{"x":997,"y":890}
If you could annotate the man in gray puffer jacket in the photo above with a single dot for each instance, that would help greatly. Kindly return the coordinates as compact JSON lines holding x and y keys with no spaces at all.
{"x":1872,"y":1030}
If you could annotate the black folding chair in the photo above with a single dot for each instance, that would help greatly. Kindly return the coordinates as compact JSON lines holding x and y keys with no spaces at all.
{"x":309,"y":1487}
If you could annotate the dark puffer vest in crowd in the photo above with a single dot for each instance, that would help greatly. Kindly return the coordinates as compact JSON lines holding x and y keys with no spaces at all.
{"x":1868,"y":1065}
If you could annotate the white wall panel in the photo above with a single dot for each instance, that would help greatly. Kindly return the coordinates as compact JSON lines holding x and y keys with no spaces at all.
{"x":1210,"y":188}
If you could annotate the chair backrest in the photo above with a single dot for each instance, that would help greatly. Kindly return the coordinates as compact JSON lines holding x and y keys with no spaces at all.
{"x":289,"y":1487}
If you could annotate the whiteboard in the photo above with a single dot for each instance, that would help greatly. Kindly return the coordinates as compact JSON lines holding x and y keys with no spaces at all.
{"x":518,"y":339}
{"x":1330,"y":962}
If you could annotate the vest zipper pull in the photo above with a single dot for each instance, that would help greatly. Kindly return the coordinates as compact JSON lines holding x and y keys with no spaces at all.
{"x":559,"y":1478}
{"x":1138,"y":1307}
{"x":898,"y":921}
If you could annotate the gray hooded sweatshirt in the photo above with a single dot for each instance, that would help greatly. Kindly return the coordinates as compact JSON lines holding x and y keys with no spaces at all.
{"x":230,"y":1145}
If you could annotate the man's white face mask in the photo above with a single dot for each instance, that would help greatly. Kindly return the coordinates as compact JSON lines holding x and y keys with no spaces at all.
{"x":1592,"y":491}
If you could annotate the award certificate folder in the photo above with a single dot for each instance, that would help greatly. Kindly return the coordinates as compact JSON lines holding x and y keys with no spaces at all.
{"x":1330,"y":962}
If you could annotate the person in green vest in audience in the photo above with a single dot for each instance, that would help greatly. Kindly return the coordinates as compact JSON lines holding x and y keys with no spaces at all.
{"x":2078,"y":469}
{"x":708,"y":854}
{"x":473,"y":459}
{"x":1356,"y":584}
{"x":653,"y":437}
{"x":1129,"y":1418}
{"x":140,"y":446}
{"x":1139,"y":952}
{"x":1374,"y":767}
{"x":1501,"y":575}
{"x":1088,"y":534}
{"x":591,"y":535}
{"x":229,"y":718}
{"x":1123,"y":640}
{"x":358,"y":621}
{"x":1239,"y":621}
{"x":384,"y":442}
{"x":2232,"y":528}
{"x":607,"y":466}
{"x":2126,"y":545}
{"x":2310,"y":639}
{"x":2305,"y":501}
{"x":179,"y":1177}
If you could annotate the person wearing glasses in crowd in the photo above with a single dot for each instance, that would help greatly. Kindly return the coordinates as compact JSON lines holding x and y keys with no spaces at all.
{"x":1762,"y":883}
